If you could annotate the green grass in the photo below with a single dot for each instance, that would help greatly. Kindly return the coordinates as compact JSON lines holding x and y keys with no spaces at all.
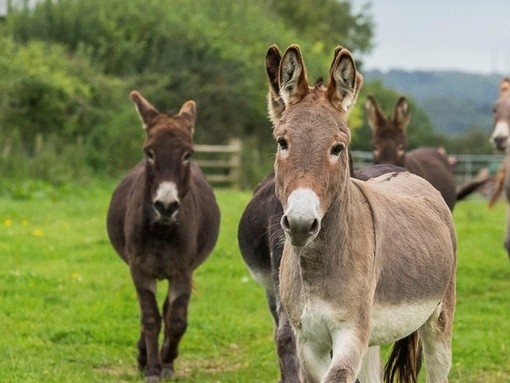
{"x":68,"y":311}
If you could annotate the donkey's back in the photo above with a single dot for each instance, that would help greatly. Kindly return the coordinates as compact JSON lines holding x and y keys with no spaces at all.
{"x":433,"y":165}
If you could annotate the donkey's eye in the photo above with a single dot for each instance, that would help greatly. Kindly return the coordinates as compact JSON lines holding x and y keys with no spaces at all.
{"x":151,"y":156}
{"x":337,"y":149}
{"x":186,"y":158}
{"x":282,"y":144}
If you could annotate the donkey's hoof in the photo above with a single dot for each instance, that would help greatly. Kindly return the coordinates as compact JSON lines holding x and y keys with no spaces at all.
{"x":167,"y":373}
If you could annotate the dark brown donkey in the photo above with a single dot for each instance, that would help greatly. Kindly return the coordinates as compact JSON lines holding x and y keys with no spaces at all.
{"x":261,"y":237}
{"x":364,"y":263}
{"x":163,"y":222}
{"x":389,"y":142}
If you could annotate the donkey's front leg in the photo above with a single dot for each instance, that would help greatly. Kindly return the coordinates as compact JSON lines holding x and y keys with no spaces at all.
{"x":371,"y":369}
{"x":148,"y":357}
{"x":175,"y":312}
{"x":348,"y":351}
{"x":314,"y":358}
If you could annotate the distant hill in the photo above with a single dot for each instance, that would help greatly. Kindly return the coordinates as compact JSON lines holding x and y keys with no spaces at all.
{"x":455,"y":101}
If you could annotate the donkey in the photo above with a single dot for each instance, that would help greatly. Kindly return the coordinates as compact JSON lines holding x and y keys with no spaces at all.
{"x":364,"y":263}
{"x":389,"y":142}
{"x":163,"y":221}
{"x":261,"y":237}
{"x":501,"y":141}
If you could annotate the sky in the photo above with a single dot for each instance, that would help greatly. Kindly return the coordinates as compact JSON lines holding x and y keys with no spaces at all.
{"x":464,"y":35}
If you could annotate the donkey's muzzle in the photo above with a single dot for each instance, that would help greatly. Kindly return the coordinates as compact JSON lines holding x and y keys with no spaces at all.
{"x":500,"y":142}
{"x":301,"y":221}
{"x":166,"y":203}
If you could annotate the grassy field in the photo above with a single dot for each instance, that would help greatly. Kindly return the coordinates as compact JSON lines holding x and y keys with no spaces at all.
{"x":68,"y":311}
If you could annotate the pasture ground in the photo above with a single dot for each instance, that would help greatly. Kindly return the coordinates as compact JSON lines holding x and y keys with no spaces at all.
{"x":68,"y":311}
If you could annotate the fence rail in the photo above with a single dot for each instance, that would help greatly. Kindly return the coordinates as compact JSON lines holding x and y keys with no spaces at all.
{"x":466,"y":166}
{"x":221,"y":164}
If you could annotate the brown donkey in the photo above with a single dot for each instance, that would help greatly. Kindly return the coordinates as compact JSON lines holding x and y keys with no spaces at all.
{"x":389,"y":142}
{"x":364,"y":263}
{"x":163,"y":222}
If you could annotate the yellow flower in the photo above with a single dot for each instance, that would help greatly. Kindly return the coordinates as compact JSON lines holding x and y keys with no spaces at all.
{"x":76,"y":277}
{"x":38,"y":233}
{"x":7,"y":222}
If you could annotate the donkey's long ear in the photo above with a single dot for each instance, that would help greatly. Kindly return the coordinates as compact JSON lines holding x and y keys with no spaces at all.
{"x":145,"y":109}
{"x":342,"y":87}
{"x":292,"y":76}
{"x":275,"y":104}
{"x":189,"y":112}
{"x":401,"y":115}
{"x":375,"y":115}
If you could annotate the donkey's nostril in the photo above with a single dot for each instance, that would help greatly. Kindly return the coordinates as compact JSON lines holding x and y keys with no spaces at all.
{"x":315,"y":226}
{"x":285,"y":223}
{"x":166,"y":209}
{"x":172,"y":207}
{"x":159,"y":206}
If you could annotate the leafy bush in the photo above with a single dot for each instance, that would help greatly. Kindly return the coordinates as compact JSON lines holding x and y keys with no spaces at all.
{"x":93,"y":52}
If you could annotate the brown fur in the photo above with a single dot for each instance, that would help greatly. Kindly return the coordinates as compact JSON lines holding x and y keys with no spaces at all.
{"x":162,"y":237}
{"x":388,"y":242}
{"x":389,"y":142}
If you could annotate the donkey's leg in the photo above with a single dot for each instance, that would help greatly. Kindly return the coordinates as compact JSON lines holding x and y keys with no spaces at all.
{"x":176,"y":320}
{"x":436,"y":336}
{"x":148,"y":357}
{"x":371,"y":371}
{"x":286,"y":348}
{"x":314,"y":360}
{"x":348,"y":352}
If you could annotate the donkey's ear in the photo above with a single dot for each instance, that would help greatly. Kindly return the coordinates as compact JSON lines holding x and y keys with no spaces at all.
{"x":401,"y":116}
{"x":375,"y":115}
{"x":189,"y":112}
{"x":145,"y":109}
{"x":292,"y":76}
{"x":342,"y":87}
{"x":275,"y":104}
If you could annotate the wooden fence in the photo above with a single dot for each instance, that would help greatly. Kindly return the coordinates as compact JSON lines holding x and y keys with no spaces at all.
{"x":220,"y":163}
{"x":467,"y":166}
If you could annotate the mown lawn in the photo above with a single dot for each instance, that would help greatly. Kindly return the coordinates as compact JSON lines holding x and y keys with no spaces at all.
{"x":68,"y":311}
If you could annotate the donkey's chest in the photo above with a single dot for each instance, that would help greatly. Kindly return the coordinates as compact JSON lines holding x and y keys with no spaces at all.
{"x":161,"y":259}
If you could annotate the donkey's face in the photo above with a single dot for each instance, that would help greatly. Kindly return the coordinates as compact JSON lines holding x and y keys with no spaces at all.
{"x":388,"y":134}
{"x":501,"y":109}
{"x":312,"y":164}
{"x":168,"y":147}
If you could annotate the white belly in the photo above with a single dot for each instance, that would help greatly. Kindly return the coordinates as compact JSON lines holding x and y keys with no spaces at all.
{"x":390,"y":323}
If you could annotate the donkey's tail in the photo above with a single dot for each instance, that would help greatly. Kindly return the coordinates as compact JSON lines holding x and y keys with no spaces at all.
{"x":405,"y":360}
{"x":473,"y":186}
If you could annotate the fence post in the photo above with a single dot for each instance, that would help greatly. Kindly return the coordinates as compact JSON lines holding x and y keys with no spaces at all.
{"x":235,"y":162}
